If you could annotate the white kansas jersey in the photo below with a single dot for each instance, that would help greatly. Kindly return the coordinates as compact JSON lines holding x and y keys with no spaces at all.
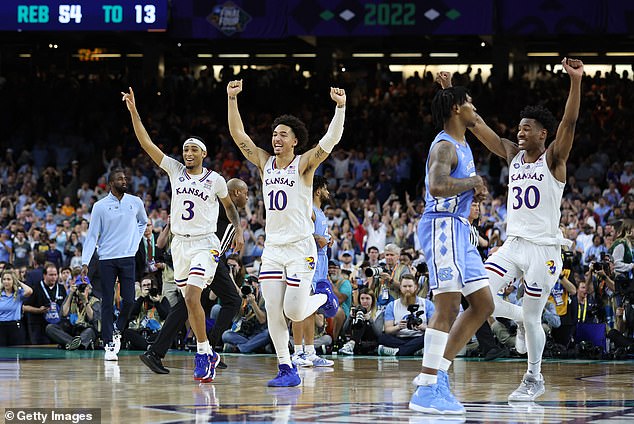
{"x":533,"y":202}
{"x":288,"y":202}
{"x":194,"y":209}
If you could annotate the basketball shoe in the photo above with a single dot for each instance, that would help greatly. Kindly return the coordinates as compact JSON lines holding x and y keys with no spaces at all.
{"x":286,"y":377}
{"x":111,"y":353}
{"x":531,"y":387}
{"x":205,"y":366}
{"x":299,"y":359}
{"x":318,"y":361}
{"x":329,"y":309}
{"x":431,"y":400}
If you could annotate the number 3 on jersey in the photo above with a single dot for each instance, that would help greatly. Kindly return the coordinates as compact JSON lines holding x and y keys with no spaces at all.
{"x":530,"y":197}
{"x":277,"y":200}
{"x":189,"y":209}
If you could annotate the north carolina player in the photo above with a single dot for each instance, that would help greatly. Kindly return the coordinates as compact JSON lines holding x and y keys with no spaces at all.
{"x":532,"y":249}
{"x":288,"y":260}
{"x":193,"y":217}
{"x":305,"y":354}
{"x":455,"y":266}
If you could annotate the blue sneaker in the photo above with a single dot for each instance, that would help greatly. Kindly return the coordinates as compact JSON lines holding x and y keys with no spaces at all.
{"x":430,"y":400}
{"x":329,"y":309}
{"x":205,"y":367}
{"x":286,"y":377}
{"x":443,"y":386}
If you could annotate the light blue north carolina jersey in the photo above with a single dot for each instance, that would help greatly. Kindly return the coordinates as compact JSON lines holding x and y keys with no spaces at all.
{"x":321,"y":229}
{"x":460,"y":204}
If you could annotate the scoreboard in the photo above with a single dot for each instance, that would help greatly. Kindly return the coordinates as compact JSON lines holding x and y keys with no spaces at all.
{"x":83,"y":15}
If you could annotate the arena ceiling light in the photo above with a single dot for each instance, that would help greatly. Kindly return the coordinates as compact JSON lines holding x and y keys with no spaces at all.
{"x":368,"y":54}
{"x":270,"y":55}
{"x":406,"y":55}
{"x":445,"y":54}
{"x":233,"y":55}
{"x":619,"y":53}
{"x":24,"y":55}
{"x":582,"y":54}
{"x":304,"y":55}
{"x":205,"y":55}
{"x":542,"y":54}
{"x":134,"y":55}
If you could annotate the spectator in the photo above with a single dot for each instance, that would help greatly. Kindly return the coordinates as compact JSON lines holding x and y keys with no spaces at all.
{"x":6,"y":246}
{"x":53,"y":255}
{"x":22,"y":251}
{"x":342,"y":288}
{"x":406,"y":319}
{"x":45,"y":306}
{"x":71,"y":247}
{"x":621,"y":250}
{"x":12,"y":296}
{"x":81,"y":312}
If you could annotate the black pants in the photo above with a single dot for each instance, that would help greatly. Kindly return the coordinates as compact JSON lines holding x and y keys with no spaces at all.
{"x":407,"y":346}
{"x":11,"y":333}
{"x":109,"y":270}
{"x":223,"y":286}
{"x":365,"y":341}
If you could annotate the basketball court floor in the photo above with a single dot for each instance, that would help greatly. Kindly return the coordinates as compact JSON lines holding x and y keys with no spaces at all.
{"x":357,"y":390}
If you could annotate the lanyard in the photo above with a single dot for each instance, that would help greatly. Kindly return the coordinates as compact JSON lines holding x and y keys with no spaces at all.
{"x":46,"y":292}
{"x":585,"y":309}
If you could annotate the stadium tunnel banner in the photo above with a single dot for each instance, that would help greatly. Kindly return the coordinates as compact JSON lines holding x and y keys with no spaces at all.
{"x":282,"y":18}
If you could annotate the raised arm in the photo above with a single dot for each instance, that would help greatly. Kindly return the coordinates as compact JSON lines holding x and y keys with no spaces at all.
{"x":502,"y":147}
{"x":442,"y":159}
{"x":559,"y":150}
{"x":319,"y":153}
{"x":251,"y":152}
{"x":140,"y":131}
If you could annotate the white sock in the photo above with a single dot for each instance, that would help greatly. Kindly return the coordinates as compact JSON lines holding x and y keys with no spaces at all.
{"x":203,"y":347}
{"x":423,"y":379}
{"x":445,"y":364}
{"x":310,"y":350}
{"x":298,"y":349}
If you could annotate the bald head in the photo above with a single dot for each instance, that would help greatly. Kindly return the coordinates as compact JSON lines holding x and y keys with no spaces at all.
{"x":238,"y":191}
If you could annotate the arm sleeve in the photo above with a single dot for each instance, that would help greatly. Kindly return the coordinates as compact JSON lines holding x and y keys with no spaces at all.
{"x":335,"y":130}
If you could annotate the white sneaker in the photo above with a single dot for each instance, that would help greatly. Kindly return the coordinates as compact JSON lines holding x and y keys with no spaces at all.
{"x":299,"y":359}
{"x":111,"y":354}
{"x":520,"y":339}
{"x":318,"y":361}
{"x":348,"y":348}
{"x":387,"y":351}
{"x":116,"y":339}
{"x":531,"y":387}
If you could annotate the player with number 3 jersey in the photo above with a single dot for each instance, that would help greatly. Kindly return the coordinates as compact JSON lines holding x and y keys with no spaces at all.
{"x":532,"y":250}
{"x":290,"y":254}
{"x":194,"y":216}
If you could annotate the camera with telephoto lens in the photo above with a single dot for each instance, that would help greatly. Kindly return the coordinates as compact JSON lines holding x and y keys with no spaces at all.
{"x":374,"y":271}
{"x":246,"y":290}
{"x":358,"y":317}
{"x":153,"y":292}
{"x":601,"y":266}
{"x":414,"y":319}
{"x":81,"y":287}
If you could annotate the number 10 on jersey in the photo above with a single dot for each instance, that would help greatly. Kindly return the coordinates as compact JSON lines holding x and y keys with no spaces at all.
{"x":277,"y":200}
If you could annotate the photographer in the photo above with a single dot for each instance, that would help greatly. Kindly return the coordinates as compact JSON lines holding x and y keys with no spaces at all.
{"x":385,"y":280}
{"x":149,"y":311}
{"x":562,"y":295}
{"x":405,"y":321}
{"x":622,"y":249}
{"x":364,"y":327}
{"x":249,"y":331}
{"x":81,"y":313}
{"x":600,"y":283}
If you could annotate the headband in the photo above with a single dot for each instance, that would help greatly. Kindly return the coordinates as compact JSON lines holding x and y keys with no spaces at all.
{"x":196,"y":142}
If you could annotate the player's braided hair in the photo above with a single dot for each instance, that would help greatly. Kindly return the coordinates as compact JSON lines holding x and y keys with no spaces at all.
{"x":444,"y":101}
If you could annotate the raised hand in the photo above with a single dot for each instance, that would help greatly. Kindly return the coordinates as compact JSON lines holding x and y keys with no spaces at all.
{"x":234,"y":88}
{"x":573,"y":67}
{"x":338,"y":95}
{"x":128,"y":98}
{"x":444,"y":79}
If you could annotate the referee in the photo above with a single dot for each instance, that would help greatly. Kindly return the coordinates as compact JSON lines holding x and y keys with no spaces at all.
{"x":222,"y":285}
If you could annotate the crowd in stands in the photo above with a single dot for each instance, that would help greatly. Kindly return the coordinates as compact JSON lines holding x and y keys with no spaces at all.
{"x":56,"y":160}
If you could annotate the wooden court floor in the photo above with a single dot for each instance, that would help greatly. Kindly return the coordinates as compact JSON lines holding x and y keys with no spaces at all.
{"x":356,"y":390}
